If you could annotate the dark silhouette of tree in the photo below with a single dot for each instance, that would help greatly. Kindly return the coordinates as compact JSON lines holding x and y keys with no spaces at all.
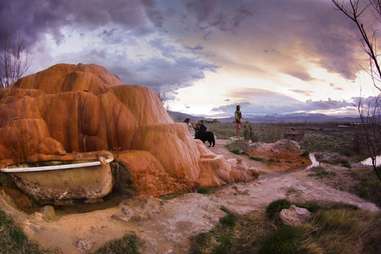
{"x":13,"y":60}
{"x":369,"y":110}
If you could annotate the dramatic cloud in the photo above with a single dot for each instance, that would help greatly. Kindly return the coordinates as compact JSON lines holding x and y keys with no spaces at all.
{"x":32,"y":18}
{"x":173,"y":44}
{"x":266,"y":35}
{"x":115,"y":34}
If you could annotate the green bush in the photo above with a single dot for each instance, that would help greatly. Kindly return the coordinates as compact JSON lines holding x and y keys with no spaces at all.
{"x":333,"y":228}
{"x":129,"y":244}
{"x":224,"y":244}
{"x":237,"y":151}
{"x":336,"y":219}
{"x":320,"y":172}
{"x":13,"y":240}
{"x":205,"y":190}
{"x":285,"y":240}
{"x":273,"y":209}
{"x":368,"y":186}
{"x":228,"y":220}
{"x":256,"y":158}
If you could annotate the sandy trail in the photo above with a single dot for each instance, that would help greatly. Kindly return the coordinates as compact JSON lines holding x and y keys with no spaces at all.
{"x":167,"y":226}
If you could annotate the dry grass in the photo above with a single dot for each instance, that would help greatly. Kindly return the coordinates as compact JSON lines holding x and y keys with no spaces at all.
{"x":129,"y":244}
{"x":13,"y":240}
{"x":322,"y":137}
{"x":367,"y":185}
{"x":362,"y":182}
{"x":333,"y":228}
{"x":320,"y":172}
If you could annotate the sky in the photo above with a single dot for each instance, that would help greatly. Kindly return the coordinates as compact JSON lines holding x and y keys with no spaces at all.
{"x":205,"y":56}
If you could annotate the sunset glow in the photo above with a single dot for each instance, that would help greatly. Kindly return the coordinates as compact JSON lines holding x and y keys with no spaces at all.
{"x":205,"y":55}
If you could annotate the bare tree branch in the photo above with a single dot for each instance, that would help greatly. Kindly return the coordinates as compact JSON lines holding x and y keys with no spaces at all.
{"x":376,"y":4}
{"x":370,"y":113}
{"x":13,"y":61}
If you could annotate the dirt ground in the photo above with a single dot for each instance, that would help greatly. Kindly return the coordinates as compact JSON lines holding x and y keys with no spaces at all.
{"x":165,"y":226}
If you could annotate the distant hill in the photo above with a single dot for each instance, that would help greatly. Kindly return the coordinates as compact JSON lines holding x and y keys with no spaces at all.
{"x":180,"y":117}
{"x":296,"y":118}
{"x":289,"y":118}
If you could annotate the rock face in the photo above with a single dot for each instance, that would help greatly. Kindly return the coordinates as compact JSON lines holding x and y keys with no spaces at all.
{"x":294,"y":216}
{"x":333,"y":158}
{"x":67,"y":110}
{"x":285,"y":154}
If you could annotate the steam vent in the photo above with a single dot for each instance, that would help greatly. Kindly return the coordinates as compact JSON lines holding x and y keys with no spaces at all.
{"x":77,"y":113}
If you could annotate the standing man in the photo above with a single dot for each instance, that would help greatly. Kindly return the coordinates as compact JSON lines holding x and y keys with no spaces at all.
{"x":238,"y":119}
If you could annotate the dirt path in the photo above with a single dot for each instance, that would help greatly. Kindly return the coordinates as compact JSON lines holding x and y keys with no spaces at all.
{"x":167,"y":226}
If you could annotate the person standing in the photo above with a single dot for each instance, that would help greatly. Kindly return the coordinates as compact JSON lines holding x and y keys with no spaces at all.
{"x":237,"y":119}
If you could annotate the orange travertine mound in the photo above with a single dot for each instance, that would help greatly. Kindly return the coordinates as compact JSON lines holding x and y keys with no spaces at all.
{"x":66,"y":110}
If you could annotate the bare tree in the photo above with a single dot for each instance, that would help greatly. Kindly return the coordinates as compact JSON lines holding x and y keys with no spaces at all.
{"x":376,"y":4}
{"x":13,"y":61}
{"x":369,"y":111}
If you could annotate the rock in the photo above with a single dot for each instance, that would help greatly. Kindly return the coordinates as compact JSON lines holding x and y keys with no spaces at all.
{"x":148,"y":176}
{"x":84,"y":245}
{"x":333,"y":158}
{"x":294,"y":216}
{"x":56,"y":186}
{"x":48,"y":213}
{"x":71,"y":112}
{"x":31,"y":228}
{"x":21,"y":200}
{"x":284,"y":154}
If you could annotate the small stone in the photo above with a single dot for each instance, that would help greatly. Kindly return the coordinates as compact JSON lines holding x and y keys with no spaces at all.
{"x":294,"y":216}
{"x":48,"y":213}
{"x":31,"y":227}
{"x":120,"y":217}
{"x":83,"y":245}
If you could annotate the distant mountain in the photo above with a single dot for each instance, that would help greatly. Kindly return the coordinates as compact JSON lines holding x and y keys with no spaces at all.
{"x":301,"y":117}
{"x":180,"y":117}
{"x":288,"y":118}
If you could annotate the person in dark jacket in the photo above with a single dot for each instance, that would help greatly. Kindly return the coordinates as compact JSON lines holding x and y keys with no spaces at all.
{"x":237,"y":120}
{"x":203,"y":134}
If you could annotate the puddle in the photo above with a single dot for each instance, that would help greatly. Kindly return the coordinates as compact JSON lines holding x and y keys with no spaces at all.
{"x":368,"y":162}
{"x":314,"y":161}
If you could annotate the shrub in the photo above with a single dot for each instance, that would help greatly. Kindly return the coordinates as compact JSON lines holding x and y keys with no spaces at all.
{"x":333,"y":228}
{"x":336,"y":219}
{"x":273,"y":209}
{"x":198,"y":242}
{"x":224,"y":244}
{"x":13,"y":240}
{"x":123,"y":179}
{"x":256,"y":158}
{"x":368,"y":186}
{"x":320,"y":172}
{"x":346,"y":163}
{"x":205,"y":190}
{"x":129,"y":244}
{"x":228,"y":220}
{"x":237,"y":151}
{"x":285,"y":240}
